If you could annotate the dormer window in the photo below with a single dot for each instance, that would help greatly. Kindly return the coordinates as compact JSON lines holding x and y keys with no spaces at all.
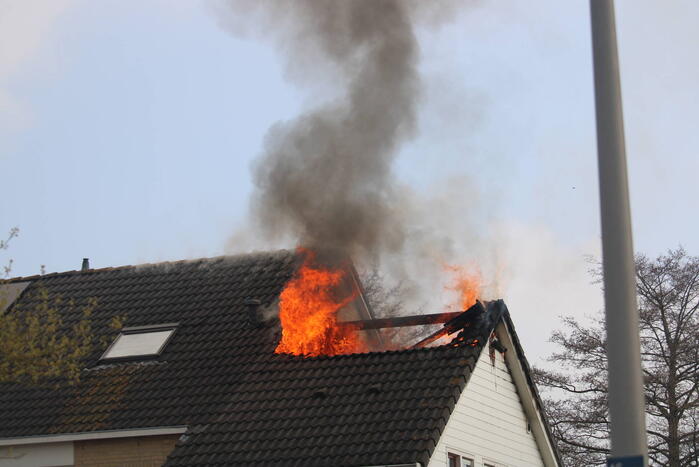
{"x":140,"y":342}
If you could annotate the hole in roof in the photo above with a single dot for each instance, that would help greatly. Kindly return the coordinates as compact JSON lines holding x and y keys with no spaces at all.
{"x":140,"y":342}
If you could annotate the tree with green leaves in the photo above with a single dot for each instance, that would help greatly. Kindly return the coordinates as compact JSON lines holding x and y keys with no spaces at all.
{"x":36,"y":346}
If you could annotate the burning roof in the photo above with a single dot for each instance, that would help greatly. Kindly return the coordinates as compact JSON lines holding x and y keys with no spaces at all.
{"x":220,"y":376}
{"x":308,"y":310}
{"x":320,"y":294}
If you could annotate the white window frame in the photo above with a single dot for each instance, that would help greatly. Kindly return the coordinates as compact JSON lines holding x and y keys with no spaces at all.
{"x":140,"y":330}
{"x":462,"y":454}
{"x":478,"y":460}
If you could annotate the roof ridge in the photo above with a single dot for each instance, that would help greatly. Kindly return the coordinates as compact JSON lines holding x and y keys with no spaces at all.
{"x":144,"y":265}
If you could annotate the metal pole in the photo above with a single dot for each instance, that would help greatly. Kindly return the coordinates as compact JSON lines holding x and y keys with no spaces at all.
{"x":626,"y":395}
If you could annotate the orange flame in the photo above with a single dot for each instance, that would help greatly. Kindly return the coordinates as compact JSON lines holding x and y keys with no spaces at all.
{"x":308,"y":308}
{"x":466,"y":283}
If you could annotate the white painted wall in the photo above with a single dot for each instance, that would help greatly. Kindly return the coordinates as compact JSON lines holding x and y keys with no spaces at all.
{"x":488,"y":422}
{"x":37,"y":455}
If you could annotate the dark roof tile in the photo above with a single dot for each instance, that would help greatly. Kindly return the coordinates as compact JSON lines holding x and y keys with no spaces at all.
{"x":244,"y":404}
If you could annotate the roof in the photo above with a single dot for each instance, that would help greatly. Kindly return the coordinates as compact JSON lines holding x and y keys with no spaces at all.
{"x":219,"y":375}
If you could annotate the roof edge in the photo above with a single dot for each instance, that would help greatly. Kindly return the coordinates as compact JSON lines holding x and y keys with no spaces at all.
{"x":145,"y":265}
{"x":87,"y":435}
{"x":526,"y":369}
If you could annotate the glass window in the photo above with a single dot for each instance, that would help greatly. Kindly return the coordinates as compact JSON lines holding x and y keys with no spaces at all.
{"x":147,"y":341}
{"x":457,"y":460}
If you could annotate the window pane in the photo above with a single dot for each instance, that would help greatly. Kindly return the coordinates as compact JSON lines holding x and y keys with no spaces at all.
{"x":140,"y":344}
{"x":454,"y":460}
{"x":466,"y":462}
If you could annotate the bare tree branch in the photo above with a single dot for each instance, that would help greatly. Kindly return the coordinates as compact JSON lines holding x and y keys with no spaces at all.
{"x":576,"y":399}
{"x":4,"y":244}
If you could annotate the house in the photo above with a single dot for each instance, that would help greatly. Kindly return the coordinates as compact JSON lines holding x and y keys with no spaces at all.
{"x":192,"y":379}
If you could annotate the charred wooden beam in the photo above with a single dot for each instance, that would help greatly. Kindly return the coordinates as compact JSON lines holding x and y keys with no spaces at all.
{"x":461,"y":321}
{"x":431,"y":338}
{"x":453,"y":322}
{"x":402,"y":321}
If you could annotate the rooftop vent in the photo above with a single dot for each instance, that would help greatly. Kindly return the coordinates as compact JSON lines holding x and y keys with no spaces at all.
{"x":252,"y":306}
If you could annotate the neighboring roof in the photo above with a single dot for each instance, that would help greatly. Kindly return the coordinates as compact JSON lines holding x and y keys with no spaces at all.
{"x":9,"y":293}
{"x":219,"y":375}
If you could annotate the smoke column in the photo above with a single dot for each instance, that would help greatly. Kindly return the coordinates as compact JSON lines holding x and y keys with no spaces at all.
{"x":325,"y":177}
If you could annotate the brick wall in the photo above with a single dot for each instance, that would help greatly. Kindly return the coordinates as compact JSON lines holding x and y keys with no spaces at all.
{"x":142,"y":451}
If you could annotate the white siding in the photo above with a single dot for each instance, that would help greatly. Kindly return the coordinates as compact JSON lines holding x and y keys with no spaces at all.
{"x":488,"y":422}
{"x":37,"y":455}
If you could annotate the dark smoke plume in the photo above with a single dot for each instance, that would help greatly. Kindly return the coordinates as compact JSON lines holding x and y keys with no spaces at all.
{"x":325,"y":177}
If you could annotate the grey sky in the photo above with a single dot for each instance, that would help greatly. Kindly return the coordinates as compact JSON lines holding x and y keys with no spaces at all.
{"x":127,"y":131}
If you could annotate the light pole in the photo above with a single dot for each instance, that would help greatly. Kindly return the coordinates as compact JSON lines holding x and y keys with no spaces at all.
{"x":626,"y":395}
